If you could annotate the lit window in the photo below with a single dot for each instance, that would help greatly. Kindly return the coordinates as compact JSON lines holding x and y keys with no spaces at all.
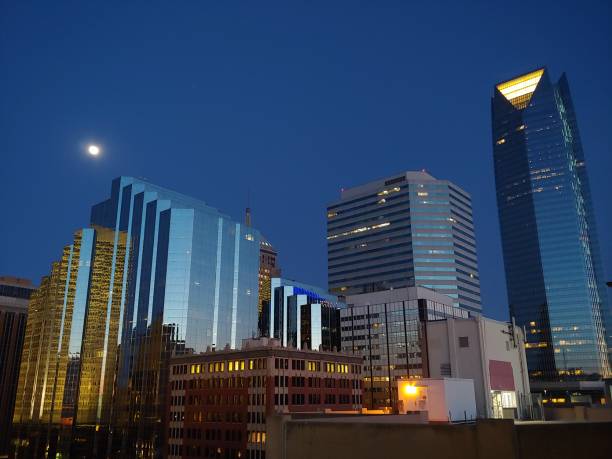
{"x":386,"y":192}
{"x":359,"y":230}
{"x":501,"y":141}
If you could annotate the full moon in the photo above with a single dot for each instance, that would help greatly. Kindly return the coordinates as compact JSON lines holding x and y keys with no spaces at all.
{"x":93,"y":150}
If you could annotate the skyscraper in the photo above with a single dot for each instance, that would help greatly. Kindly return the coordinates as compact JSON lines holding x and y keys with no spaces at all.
{"x":68,"y":360}
{"x":158,"y":273}
{"x":14,"y":296}
{"x":268,"y":268}
{"x":556,"y":288}
{"x":407,"y":230}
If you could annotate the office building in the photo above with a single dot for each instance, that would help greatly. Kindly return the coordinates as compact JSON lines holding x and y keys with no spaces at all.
{"x":386,"y":329}
{"x":157,"y":273}
{"x":68,"y":364}
{"x":554,"y":277}
{"x":268,"y":268}
{"x":303,"y":316}
{"x":220,"y":401}
{"x":14,"y":296}
{"x":407,"y":230}
{"x":489,"y":352}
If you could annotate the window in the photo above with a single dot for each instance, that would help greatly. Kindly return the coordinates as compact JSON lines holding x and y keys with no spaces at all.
{"x":464,"y":341}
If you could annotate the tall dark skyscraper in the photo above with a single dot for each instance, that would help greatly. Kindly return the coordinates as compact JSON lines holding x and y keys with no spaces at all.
{"x":157,"y":273}
{"x":556,"y":288}
{"x":406,"y":230}
{"x":14,"y":296}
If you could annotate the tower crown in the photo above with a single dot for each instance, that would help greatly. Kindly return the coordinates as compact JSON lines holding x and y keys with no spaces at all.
{"x":519,"y":90}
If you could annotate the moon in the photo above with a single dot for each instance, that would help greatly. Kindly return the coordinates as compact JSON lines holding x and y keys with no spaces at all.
{"x":93,"y":150}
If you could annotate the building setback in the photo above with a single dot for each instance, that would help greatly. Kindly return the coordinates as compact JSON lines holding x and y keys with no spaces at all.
{"x":407,"y":230}
{"x":556,"y":288}
{"x":157,"y":273}
{"x":219,"y":401}
{"x":386,"y":329}
{"x":14,"y":296}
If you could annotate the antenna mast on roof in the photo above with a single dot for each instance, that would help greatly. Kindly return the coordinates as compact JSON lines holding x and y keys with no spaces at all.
{"x":247,"y":217}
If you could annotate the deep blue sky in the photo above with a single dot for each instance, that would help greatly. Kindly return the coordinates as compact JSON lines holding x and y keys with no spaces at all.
{"x":290,"y":101}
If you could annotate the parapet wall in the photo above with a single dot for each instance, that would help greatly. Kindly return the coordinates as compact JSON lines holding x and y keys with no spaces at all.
{"x":391,"y":436}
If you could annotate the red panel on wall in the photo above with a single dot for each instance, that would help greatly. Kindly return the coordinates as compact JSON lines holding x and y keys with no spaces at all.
{"x":501,"y":376}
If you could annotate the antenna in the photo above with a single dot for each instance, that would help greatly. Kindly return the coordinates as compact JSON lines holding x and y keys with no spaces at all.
{"x":247,"y":217}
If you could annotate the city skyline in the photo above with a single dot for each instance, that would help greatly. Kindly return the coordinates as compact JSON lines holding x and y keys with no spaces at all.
{"x":366,"y":101}
{"x":278,"y":230}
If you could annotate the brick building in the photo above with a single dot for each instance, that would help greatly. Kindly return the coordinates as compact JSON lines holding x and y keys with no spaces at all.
{"x":219,"y":400}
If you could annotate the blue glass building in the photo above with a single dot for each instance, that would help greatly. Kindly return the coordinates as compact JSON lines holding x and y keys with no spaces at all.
{"x":193,"y":283}
{"x":157,"y":273}
{"x":556,"y":288}
{"x":303,"y":316}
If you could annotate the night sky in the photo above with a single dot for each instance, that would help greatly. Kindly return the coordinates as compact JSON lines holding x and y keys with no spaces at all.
{"x":285,"y":103}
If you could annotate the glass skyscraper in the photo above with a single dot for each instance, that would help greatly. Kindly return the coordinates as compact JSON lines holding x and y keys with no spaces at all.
{"x":157,"y":273}
{"x":404,"y":231}
{"x":302,"y":316}
{"x":554,"y":275}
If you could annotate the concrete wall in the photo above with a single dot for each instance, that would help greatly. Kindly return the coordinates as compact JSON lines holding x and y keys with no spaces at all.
{"x":367,"y":437}
{"x":571,"y":440}
{"x":579,"y":413}
{"x":443,"y":348}
{"x":488,"y":340}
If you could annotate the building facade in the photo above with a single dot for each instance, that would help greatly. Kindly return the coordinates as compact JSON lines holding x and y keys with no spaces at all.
{"x":268,"y":268}
{"x":556,"y":288}
{"x":386,"y":329}
{"x":403,"y":231}
{"x":65,"y":366}
{"x":157,"y":273}
{"x":489,"y":352}
{"x":303,"y":316}
{"x":14,"y":296}
{"x":219,"y":401}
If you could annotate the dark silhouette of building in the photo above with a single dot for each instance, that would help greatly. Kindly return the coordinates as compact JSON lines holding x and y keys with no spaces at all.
{"x":14,"y":296}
